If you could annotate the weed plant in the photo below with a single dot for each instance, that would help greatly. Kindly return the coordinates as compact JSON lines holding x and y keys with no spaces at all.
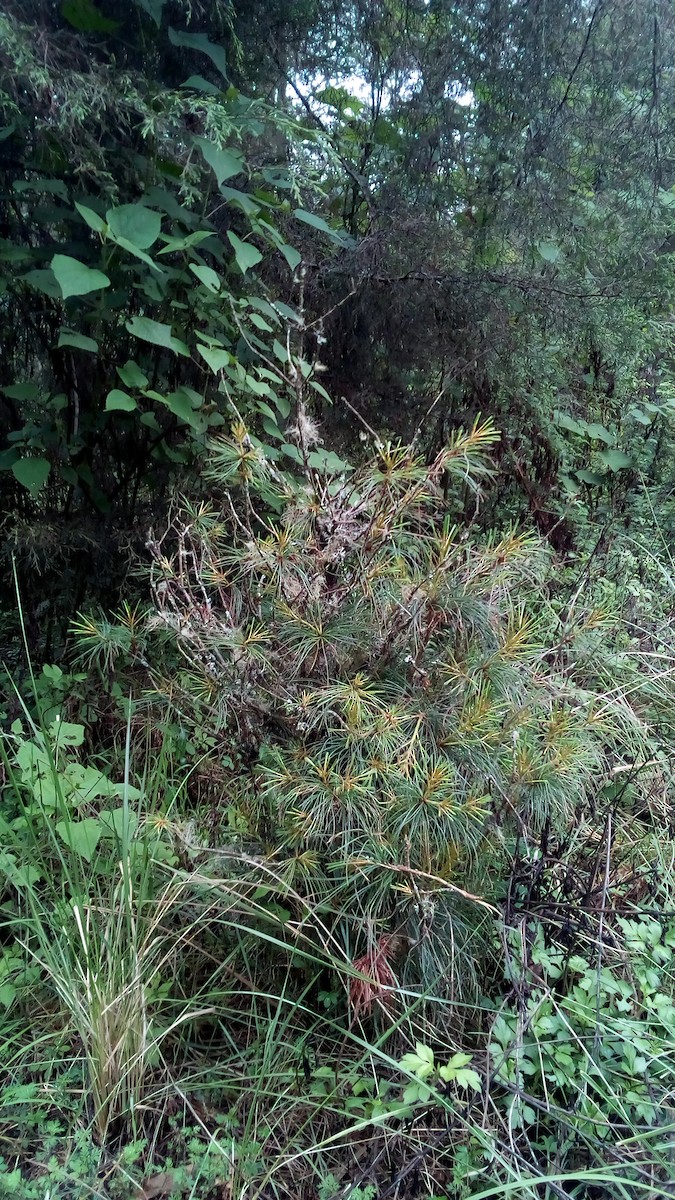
{"x":368,"y":888}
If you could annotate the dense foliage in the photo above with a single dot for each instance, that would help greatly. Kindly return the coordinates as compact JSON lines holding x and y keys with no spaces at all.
{"x":336,"y":407}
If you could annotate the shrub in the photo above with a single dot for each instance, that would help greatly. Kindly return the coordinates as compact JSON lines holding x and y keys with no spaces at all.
{"x":390,"y":691}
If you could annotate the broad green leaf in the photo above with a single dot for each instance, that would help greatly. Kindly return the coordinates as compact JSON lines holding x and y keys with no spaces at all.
{"x":21,"y":391}
{"x":223,"y":162}
{"x":247,"y":256}
{"x":317,"y":223}
{"x":216,"y":359}
{"x":265,"y":409}
{"x":87,"y":782}
{"x":283,"y":405}
{"x":19,"y":876}
{"x":207,"y":276}
{"x":590,"y":477}
{"x":599,"y":433}
{"x":32,"y":473}
{"x":81,"y":836}
{"x":199,"y":41}
{"x":259,"y":322}
{"x":292,"y":256}
{"x":199,"y":84}
{"x":119,"y":821}
{"x":615,"y":460}
{"x":196,"y":399}
{"x":153,"y":8}
{"x":92,"y":218}
{"x":174,"y":245}
{"x":254,"y":385}
{"x":138,"y":253}
{"x":53,"y":187}
{"x":242,"y":200}
{"x":265,"y":308}
{"x":180,"y":405}
{"x":563,"y":421}
{"x":272,"y":430}
{"x":326,"y":460}
{"x":421,"y":1063}
{"x":8,"y":992}
{"x":570,"y":485}
{"x":66,"y":733}
{"x":136,"y":224}
{"x":75,"y":278}
{"x":43,"y":281}
{"x":286,"y":311}
{"x":642,"y":417}
{"x":318,"y":387}
{"x":245,"y":253}
{"x":10,"y":253}
{"x":132,"y":375}
{"x":292,"y":452}
{"x":340,"y":99}
{"x":67,"y":337}
{"x":386,"y":134}
{"x":118,"y":401}
{"x":84,"y":16}
{"x":279,"y":177}
{"x":157,"y":334}
{"x":549,"y":251}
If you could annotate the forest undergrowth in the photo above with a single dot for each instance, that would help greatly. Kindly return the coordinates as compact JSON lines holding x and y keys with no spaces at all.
{"x":343,"y":865}
{"x":337,"y":850}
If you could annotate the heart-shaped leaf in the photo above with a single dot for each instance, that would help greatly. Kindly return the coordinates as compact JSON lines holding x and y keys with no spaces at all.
{"x":217,"y":359}
{"x":81,"y":836}
{"x":156,"y":333}
{"x":615,"y":460}
{"x":118,"y":401}
{"x":32,"y":473}
{"x":247,"y":256}
{"x":67,"y":337}
{"x":136,"y":224}
{"x":132,"y":375}
{"x":207,"y":276}
{"x":75,"y":278}
{"x":199,"y":41}
{"x":223,"y":162}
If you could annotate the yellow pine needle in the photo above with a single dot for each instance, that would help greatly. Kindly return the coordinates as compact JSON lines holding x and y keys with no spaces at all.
{"x":525,"y":766}
{"x":131,"y":617}
{"x":85,"y":626}
{"x":517,"y":638}
{"x":481,"y":436}
{"x":558,"y":725}
{"x":475,"y":713}
{"x":511,"y":546}
{"x":598,"y":618}
{"x":445,"y":548}
{"x":407,"y":760}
